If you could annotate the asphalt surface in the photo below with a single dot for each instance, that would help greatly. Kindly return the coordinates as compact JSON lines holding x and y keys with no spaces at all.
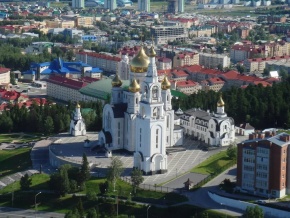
{"x":16,"y":213}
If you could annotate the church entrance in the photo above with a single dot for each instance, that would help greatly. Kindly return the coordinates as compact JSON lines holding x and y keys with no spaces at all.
{"x":158,"y":162}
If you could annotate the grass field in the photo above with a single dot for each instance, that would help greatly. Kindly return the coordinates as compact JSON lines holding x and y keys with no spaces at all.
{"x":13,"y":161}
{"x":19,"y":138}
{"x":213,"y":163}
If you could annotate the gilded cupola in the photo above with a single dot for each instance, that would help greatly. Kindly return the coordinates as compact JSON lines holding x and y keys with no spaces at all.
{"x":134,"y":86}
{"x":78,"y":105}
{"x":116,"y":82}
{"x":140,"y":62}
{"x":220,"y":102}
{"x":165,"y":84}
{"x":151,"y":52}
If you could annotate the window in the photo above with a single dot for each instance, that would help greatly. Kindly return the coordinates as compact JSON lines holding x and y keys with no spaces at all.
{"x":140,"y":136}
{"x":156,"y":138}
{"x":155,"y":92}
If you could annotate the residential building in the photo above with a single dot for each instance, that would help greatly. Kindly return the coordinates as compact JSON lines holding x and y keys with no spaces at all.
{"x":215,"y":129}
{"x":172,"y":6}
{"x":140,"y":118}
{"x":163,"y":63}
{"x":163,"y":34}
{"x":39,"y":47}
{"x":84,"y":21}
{"x":110,"y":4}
{"x":259,"y":64}
{"x":144,"y":5}
{"x":185,"y":58}
{"x":262,"y":164}
{"x":187,"y":87}
{"x":202,"y":31}
{"x":214,"y":84}
{"x":4,"y":75}
{"x":60,"y":23}
{"x":64,"y":89}
{"x":78,"y":3}
{"x":105,"y":62}
{"x":214,"y":60}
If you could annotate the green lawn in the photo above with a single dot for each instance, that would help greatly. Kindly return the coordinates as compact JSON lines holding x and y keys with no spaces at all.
{"x":13,"y":161}
{"x":19,"y":138}
{"x":212,"y":164}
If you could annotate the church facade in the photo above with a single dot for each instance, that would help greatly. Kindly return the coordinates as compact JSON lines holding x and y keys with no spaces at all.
{"x":77,"y":124}
{"x":140,"y":118}
{"x":215,"y":129}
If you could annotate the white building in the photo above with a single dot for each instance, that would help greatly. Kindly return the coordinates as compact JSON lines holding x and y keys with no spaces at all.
{"x":144,"y":5}
{"x":78,"y":3}
{"x":215,"y":129}
{"x":4,"y":75}
{"x":110,"y":4}
{"x":214,"y":60}
{"x":77,"y":124}
{"x":140,"y":118}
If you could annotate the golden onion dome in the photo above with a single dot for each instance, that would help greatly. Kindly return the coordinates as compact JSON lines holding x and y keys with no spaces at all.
{"x":220,"y":102}
{"x":165,"y":83}
{"x":78,"y":105}
{"x":151,"y":52}
{"x":134,"y":86}
{"x":116,"y":82}
{"x":140,"y":62}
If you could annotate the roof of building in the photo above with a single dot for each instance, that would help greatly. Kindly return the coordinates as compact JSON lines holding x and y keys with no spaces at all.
{"x":277,"y":139}
{"x":246,"y":126}
{"x":198,"y":113}
{"x":69,"y":83}
{"x":4,"y":70}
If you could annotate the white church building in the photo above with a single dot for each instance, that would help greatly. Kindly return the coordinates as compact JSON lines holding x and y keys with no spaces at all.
{"x":140,"y":117}
{"x":215,"y":129}
{"x":77,"y":124}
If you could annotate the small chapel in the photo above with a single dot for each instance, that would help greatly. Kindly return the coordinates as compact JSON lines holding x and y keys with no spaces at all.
{"x":77,"y":124}
{"x":140,"y":117}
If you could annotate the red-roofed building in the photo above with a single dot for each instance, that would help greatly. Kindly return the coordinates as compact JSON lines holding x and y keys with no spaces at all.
{"x":163,"y":63}
{"x":64,"y":89}
{"x":185,"y":58}
{"x":103,"y":61}
{"x":187,"y":87}
{"x":215,"y":84}
{"x":12,"y":96}
{"x":179,"y":75}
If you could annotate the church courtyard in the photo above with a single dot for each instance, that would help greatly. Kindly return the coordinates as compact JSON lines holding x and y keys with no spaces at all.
{"x":181,"y":159}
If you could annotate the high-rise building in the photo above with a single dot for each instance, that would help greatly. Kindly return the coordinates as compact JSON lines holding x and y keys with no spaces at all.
{"x":144,"y":5}
{"x":175,"y":6}
{"x":180,"y":6}
{"x":262,"y":165}
{"x":78,"y":3}
{"x":110,"y":4}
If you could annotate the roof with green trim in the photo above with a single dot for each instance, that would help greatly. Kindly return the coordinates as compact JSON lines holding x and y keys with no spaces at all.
{"x":177,"y":94}
{"x":101,"y":89}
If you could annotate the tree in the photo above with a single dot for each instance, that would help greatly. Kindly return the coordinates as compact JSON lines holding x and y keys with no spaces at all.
{"x":92,"y":213}
{"x":103,"y":187}
{"x":251,"y":212}
{"x":241,"y":68}
{"x":48,"y":125}
{"x":136,"y":178}
{"x":64,"y":181}
{"x":85,"y":169}
{"x":25,"y":182}
{"x":80,"y":208}
{"x":115,"y":170}
{"x":232,"y":151}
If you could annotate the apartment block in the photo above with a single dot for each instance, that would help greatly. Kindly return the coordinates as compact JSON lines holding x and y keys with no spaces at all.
{"x":262,"y":165}
{"x":213,"y":60}
{"x":185,"y":58}
{"x":4,"y":75}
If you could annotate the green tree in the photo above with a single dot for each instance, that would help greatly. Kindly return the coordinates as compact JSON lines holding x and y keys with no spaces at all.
{"x":92,"y":213}
{"x":232,"y":151}
{"x":136,"y":178}
{"x":48,"y":125}
{"x":115,"y":170}
{"x":25,"y":182}
{"x":64,"y":181}
{"x":103,"y":187}
{"x":80,"y":208}
{"x":241,"y":68}
{"x":251,"y":212}
{"x":85,"y":169}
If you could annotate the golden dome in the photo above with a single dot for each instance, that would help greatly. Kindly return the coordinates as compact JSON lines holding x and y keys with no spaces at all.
{"x":116,"y":82}
{"x":165,"y":83}
{"x":134,"y":86}
{"x":78,"y":105}
{"x":140,"y":62}
{"x":151,"y":52}
{"x":221,"y":103}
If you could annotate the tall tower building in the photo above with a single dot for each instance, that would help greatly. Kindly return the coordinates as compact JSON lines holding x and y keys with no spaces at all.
{"x":144,"y":5}
{"x":172,"y":6}
{"x":180,"y":6}
{"x":110,"y":4}
{"x":78,"y":3}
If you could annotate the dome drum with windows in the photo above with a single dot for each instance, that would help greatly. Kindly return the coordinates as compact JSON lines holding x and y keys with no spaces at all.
{"x":140,"y":62}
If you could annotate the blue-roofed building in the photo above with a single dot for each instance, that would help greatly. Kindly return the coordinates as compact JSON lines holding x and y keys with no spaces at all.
{"x":40,"y":71}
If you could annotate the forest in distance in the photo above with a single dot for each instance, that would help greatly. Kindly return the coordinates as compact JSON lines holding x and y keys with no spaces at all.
{"x":262,"y":107}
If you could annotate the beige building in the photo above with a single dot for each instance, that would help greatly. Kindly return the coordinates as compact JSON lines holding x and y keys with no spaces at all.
{"x":64,"y":89}
{"x":4,"y":75}
{"x":213,"y":60}
{"x":214,"y":84}
{"x":60,"y":24}
{"x":182,"y":59}
{"x":84,"y":21}
{"x":187,"y":87}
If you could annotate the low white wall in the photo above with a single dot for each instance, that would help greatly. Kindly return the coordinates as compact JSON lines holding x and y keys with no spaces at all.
{"x":268,"y":212}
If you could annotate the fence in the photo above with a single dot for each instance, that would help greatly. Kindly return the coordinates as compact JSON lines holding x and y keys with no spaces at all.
{"x":151,"y":187}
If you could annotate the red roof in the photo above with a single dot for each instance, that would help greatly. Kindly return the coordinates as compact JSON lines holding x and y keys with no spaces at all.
{"x":4,"y":70}
{"x":179,"y":73}
{"x":193,"y":68}
{"x":232,"y":74}
{"x":70,"y":83}
{"x":188,"y":83}
{"x":216,"y":80}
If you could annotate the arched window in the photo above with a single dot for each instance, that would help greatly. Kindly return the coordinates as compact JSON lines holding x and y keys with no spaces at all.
{"x":157,"y":138}
{"x":155,"y":92}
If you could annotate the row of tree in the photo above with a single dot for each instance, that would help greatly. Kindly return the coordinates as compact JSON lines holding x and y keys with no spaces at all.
{"x":263,"y":107}
{"x":48,"y":118}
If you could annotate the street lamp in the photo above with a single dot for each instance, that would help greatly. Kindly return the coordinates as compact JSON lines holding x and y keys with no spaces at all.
{"x":148,"y":210}
{"x":35,"y":207}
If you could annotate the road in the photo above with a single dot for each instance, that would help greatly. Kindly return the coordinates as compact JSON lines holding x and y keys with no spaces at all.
{"x":16,"y":213}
